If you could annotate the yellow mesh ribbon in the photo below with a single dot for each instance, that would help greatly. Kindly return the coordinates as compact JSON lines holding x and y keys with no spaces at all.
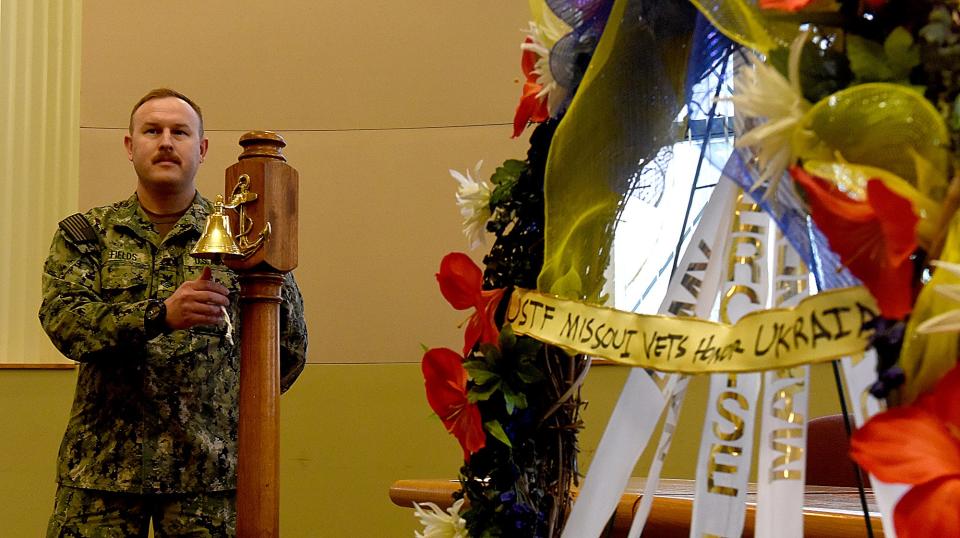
{"x":621,"y":114}
{"x":745,"y":23}
{"x":883,"y":126}
{"x":925,"y":358}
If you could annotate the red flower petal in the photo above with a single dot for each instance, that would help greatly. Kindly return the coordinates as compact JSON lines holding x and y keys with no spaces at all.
{"x":944,"y":401}
{"x":481,"y":326}
{"x":906,"y":445}
{"x":899,"y":232}
{"x":874,"y":238}
{"x":468,"y":429}
{"x":528,"y":62}
{"x":460,"y":280}
{"x":445,"y":380}
{"x":784,"y":5}
{"x":929,"y":510}
{"x":530,"y":108}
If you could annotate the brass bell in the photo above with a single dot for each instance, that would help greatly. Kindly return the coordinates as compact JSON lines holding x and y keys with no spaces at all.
{"x":217,"y":239}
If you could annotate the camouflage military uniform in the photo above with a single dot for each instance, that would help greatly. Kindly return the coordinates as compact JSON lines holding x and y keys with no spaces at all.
{"x":152,"y":413}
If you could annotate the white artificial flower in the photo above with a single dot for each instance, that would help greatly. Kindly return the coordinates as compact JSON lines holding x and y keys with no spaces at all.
{"x":948,"y":321}
{"x":437,"y":524}
{"x":541,"y":35}
{"x":473,"y":199}
{"x":760,"y":91}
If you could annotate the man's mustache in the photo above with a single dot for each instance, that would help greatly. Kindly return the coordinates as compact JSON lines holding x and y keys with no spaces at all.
{"x":166,"y":157}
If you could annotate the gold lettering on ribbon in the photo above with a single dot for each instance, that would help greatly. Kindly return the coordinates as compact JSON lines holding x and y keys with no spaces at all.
{"x":735,"y":422}
{"x":731,"y":417}
{"x":749,"y":261}
{"x":745,"y":207}
{"x":691,"y":284}
{"x":792,"y":280}
{"x":713,"y":467}
{"x":788,"y":454}
{"x":733,"y":291}
{"x":782,"y":407}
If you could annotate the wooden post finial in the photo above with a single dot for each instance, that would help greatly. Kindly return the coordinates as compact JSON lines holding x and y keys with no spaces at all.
{"x":266,"y":144}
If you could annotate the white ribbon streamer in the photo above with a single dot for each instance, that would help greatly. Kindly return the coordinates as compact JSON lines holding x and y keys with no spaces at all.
{"x":692,"y":294}
{"x":726,"y":446}
{"x":859,"y":373}
{"x":643,"y":398}
{"x":781,"y":463}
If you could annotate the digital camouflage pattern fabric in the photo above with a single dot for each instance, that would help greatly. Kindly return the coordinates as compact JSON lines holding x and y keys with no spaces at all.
{"x":84,"y":513}
{"x":151,"y":413}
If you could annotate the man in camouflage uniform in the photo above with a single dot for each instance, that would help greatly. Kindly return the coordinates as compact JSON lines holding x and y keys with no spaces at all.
{"x":153,"y":429}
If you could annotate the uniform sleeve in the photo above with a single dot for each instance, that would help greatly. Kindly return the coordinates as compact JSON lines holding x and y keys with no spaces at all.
{"x":78,"y":321}
{"x":293,"y":333}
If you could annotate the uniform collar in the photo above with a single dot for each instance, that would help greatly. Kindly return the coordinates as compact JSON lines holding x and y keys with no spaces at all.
{"x":131,"y":216}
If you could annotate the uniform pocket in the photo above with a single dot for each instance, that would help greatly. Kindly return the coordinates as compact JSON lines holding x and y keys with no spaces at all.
{"x":124,"y":282}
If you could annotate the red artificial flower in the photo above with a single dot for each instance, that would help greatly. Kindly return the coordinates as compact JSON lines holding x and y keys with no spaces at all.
{"x":531,"y":107}
{"x":461,"y":283}
{"x":785,"y":5}
{"x":874,"y":238}
{"x":797,"y":5}
{"x":446,"y":382}
{"x":919,"y":444}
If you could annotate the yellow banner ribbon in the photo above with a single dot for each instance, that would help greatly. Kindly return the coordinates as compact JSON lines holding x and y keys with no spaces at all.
{"x":820,"y":328}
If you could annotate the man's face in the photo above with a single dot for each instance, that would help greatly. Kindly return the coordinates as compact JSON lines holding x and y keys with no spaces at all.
{"x":166,"y":147}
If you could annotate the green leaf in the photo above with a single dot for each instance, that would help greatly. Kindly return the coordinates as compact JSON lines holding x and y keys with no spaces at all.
{"x":527,"y":347}
{"x":529,"y":373}
{"x":513,"y":399}
{"x":891,"y":62}
{"x":903,"y":54}
{"x":476,"y":365}
{"x":494,"y":428}
{"x":505,"y":179}
{"x":482,"y":376}
{"x":509,"y":171}
{"x":867,"y":60}
{"x":507,"y":338}
{"x":483,"y":392}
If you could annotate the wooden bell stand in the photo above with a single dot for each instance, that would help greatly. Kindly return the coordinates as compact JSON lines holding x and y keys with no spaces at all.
{"x":261,"y":277}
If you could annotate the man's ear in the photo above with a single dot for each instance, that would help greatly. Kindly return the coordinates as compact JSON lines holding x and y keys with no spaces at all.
{"x":128,"y":144}
{"x":203,"y":148}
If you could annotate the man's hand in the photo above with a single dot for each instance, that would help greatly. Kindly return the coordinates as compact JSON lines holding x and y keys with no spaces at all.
{"x":197,"y":302}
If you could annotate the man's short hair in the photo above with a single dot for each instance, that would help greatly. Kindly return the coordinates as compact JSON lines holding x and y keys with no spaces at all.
{"x":160,"y":93}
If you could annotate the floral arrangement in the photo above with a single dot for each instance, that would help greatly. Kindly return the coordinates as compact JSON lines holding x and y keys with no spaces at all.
{"x":856,"y":104}
{"x":512,"y":403}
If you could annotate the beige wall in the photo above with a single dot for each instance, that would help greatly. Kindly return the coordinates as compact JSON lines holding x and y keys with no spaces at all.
{"x":377,"y":100}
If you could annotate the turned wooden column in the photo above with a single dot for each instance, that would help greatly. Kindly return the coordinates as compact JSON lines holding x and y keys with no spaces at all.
{"x":275,"y":184}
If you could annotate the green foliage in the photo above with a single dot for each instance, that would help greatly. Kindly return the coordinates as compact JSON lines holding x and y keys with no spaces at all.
{"x":504,"y":179}
{"x":509,"y":370}
{"x":890,"y":62}
{"x":494,"y":428}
